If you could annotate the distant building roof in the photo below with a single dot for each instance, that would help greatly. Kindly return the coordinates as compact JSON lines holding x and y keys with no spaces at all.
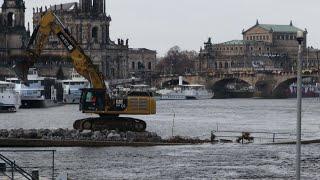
{"x":66,"y":6}
{"x":138,"y":50}
{"x":279,"y":28}
{"x":234,"y":42}
{"x":241,"y":42}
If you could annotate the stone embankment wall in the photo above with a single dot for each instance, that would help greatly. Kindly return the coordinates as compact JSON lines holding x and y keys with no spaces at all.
{"x":67,"y":134}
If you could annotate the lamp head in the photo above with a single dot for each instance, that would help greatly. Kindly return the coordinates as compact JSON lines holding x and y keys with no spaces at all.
{"x":300,"y":37}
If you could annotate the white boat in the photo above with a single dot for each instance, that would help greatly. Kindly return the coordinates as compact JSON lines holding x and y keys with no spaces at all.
{"x":183,"y":92}
{"x":308,"y":90}
{"x":72,"y":88}
{"x":42,"y":92}
{"x":9,"y":99}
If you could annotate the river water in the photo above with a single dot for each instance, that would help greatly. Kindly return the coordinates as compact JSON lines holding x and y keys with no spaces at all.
{"x":186,"y":118}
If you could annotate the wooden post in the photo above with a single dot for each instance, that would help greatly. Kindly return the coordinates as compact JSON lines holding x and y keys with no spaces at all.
{"x":35,"y":175}
{"x":53,"y":164}
{"x":274,"y":135}
{"x":12,"y":169}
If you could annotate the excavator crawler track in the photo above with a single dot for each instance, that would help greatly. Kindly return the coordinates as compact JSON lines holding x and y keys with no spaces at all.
{"x":110,"y":123}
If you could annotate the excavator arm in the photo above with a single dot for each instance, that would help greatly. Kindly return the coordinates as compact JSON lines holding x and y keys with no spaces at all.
{"x":51,"y":24}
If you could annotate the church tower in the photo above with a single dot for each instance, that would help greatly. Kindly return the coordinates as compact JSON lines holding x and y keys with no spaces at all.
{"x":99,"y":6}
{"x":85,"y":6}
{"x":13,"y":34}
{"x":93,"y":6}
{"x":13,"y":13}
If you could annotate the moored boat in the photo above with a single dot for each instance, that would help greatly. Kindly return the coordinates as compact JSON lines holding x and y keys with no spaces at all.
{"x":9,"y":99}
{"x":184,"y":92}
{"x":41,"y":92}
{"x":308,"y":90}
{"x":72,"y":88}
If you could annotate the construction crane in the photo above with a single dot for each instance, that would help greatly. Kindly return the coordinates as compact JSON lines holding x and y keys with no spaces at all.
{"x":93,"y":100}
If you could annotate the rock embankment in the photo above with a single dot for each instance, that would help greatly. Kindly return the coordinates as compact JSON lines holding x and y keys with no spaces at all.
{"x":75,"y":135}
{"x":185,"y":140}
{"x":75,"y":138}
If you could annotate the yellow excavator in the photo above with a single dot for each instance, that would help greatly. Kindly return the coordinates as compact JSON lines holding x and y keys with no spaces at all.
{"x":93,"y":100}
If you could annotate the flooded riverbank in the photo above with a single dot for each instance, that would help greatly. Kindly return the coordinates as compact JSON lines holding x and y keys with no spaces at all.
{"x":191,"y":118}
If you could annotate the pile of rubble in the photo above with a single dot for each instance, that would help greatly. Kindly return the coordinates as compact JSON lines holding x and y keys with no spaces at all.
{"x":187,"y":140}
{"x":68,"y":134}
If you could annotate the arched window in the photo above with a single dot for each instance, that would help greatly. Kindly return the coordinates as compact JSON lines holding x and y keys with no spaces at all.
{"x":112,"y":72}
{"x":149,"y":65}
{"x":11,"y":19}
{"x":226,"y":65}
{"x":220,"y":64}
{"x":140,"y":66}
{"x":95,"y":33}
{"x":133,"y":65}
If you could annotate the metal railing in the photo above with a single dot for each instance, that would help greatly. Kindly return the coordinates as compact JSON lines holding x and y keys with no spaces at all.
{"x":16,"y":168}
{"x":262,"y":136}
{"x":21,"y":170}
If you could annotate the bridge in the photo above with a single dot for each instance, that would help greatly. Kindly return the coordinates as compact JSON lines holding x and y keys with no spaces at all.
{"x":266,"y":84}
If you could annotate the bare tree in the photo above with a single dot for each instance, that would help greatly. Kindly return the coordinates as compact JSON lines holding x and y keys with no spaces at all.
{"x":177,"y":62}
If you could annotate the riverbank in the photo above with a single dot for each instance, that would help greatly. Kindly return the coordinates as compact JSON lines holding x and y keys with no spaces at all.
{"x":74,"y":138}
{"x":80,"y":143}
{"x":314,"y":141}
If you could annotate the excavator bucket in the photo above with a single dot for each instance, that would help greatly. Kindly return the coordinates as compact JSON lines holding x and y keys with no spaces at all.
{"x":22,"y":66}
{"x":21,"y":69}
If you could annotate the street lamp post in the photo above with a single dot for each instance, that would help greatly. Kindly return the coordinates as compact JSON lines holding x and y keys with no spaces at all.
{"x":300,"y":39}
{"x":318,"y":61}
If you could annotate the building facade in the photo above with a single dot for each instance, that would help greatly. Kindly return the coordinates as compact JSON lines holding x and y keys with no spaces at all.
{"x":142,"y":62}
{"x":264,"y":47}
{"x":89,"y":24}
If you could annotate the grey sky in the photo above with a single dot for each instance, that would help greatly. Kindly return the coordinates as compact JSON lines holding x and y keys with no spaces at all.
{"x":161,"y":24}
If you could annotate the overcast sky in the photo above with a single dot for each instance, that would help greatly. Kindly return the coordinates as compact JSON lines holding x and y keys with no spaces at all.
{"x":161,"y":24}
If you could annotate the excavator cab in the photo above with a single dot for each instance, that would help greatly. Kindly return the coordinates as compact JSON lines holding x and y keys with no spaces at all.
{"x":92,"y":99}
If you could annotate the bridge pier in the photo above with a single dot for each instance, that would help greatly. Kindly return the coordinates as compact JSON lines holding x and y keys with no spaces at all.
{"x":263,"y":89}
